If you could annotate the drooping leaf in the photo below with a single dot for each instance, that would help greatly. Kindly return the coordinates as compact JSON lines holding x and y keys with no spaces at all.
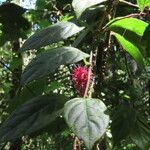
{"x":131,"y":49}
{"x":80,"y":38}
{"x":141,"y":134}
{"x":87,"y":118}
{"x":32,"y":116}
{"x":52,"y":34}
{"x":81,"y":6}
{"x":131,"y":29}
{"x":122,"y":123}
{"x":143,"y":3}
{"x":146,"y":40}
{"x":27,"y":92}
{"x":49,"y":61}
{"x":129,"y":24}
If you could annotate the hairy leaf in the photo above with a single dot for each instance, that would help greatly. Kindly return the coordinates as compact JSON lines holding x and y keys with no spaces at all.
{"x":87,"y":118}
{"x":47,"y":62}
{"x":52,"y":34}
{"x":32,"y":116}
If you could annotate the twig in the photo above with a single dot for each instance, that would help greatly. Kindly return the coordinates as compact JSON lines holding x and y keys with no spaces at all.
{"x":128,"y":3}
{"x":77,"y":143}
{"x":89,"y":75}
{"x":3,"y":146}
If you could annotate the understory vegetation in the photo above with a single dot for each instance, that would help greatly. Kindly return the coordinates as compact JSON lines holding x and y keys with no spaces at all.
{"x":75,"y":75}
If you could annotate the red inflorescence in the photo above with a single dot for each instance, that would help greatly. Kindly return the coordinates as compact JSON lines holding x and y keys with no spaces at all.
{"x":80,"y":77}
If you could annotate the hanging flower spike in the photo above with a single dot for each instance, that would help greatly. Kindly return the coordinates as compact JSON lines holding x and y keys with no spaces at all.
{"x":80,"y":77}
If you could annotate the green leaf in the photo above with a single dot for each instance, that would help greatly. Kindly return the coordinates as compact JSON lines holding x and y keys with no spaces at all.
{"x":32,"y":116}
{"x":47,"y":62}
{"x":80,"y":6}
{"x":130,"y":24}
{"x":141,"y":134}
{"x":131,"y":49}
{"x":122,"y":123}
{"x":80,"y":38}
{"x":87,"y":118}
{"x":52,"y":34}
{"x":32,"y":90}
{"x":143,"y":3}
{"x":127,"y":27}
{"x":146,"y":40}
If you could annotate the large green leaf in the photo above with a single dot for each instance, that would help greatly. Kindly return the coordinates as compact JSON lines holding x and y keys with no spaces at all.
{"x":131,"y":49}
{"x":87,"y":118}
{"x":52,"y":34}
{"x":141,"y":134}
{"x":143,"y":3}
{"x":122,"y":123}
{"x":80,"y":6}
{"x":47,"y":62}
{"x":131,"y":29}
{"x":28,"y":92}
{"x":32,"y":116}
{"x":131,"y":24}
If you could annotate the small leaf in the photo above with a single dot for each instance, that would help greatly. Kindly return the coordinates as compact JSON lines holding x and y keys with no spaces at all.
{"x":80,"y":6}
{"x":141,"y":134}
{"x":122,"y":123}
{"x":52,"y":34}
{"x":131,"y":49}
{"x":47,"y":62}
{"x":143,"y":3}
{"x":32,"y":116}
{"x":87,"y":119}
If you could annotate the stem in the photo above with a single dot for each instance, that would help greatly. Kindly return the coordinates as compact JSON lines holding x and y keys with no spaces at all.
{"x":77,"y":144}
{"x":128,"y":3}
{"x":89,"y":75}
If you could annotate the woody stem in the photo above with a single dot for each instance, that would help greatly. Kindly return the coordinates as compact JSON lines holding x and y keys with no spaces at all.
{"x":89,"y":75}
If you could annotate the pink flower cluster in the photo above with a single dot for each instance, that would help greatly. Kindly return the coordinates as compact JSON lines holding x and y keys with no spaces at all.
{"x":80,"y":77}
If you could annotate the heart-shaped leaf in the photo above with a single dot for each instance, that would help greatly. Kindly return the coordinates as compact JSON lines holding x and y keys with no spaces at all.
{"x":47,"y":62}
{"x":32,"y":116}
{"x":87,"y":118}
{"x":80,"y":6}
{"x":52,"y":34}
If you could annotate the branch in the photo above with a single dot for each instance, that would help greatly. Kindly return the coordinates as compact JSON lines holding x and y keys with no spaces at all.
{"x":89,"y":75}
{"x":128,"y":3}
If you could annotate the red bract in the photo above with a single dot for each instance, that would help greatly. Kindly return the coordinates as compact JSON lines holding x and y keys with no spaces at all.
{"x":80,"y":78}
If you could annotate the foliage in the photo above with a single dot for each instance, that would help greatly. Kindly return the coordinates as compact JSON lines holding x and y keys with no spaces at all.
{"x":41,"y":85}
